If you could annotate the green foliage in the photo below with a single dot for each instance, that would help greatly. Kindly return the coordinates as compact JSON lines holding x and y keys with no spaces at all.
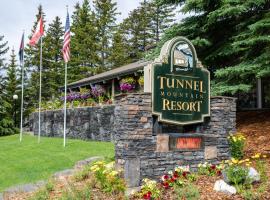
{"x":53,"y":68}
{"x":77,"y":193}
{"x":188,"y":192}
{"x":150,"y":189}
{"x":108,"y":178}
{"x":236,"y":174}
{"x":231,"y":38}
{"x":237,"y":143}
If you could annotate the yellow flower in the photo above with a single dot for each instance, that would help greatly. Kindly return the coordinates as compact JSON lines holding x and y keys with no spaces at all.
{"x":247,"y":160}
{"x":234,"y":161}
{"x":264,"y":156}
{"x":247,"y":164}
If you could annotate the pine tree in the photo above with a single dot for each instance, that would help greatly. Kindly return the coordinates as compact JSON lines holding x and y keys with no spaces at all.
{"x":6,"y":123}
{"x":12,"y":86}
{"x":106,"y":12}
{"x":53,"y":69}
{"x":231,"y":38}
{"x":118,"y":53}
{"x":3,"y":50}
{"x":163,"y":17}
{"x":84,"y":56}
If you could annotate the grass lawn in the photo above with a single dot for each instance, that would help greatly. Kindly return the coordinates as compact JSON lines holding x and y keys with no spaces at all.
{"x":29,"y":161}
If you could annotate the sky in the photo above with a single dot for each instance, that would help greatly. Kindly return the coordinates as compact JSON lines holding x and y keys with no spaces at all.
{"x":19,"y":15}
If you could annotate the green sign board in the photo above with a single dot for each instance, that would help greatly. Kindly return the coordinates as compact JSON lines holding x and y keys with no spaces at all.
{"x":180,"y":84}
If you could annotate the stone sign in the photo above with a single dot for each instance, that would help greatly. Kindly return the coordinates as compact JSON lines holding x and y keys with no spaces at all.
{"x":180,"y":85}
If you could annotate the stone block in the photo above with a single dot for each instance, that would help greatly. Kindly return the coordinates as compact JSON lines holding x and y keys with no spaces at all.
{"x":210,"y":152}
{"x":143,"y":119}
{"x":162,"y":143}
{"x":132,"y":172}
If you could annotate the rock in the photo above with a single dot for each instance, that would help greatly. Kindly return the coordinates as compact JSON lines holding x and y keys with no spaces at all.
{"x":131,"y":191}
{"x":25,"y":188}
{"x":225,"y":177}
{"x":80,"y":164}
{"x":221,"y":186}
{"x":1,"y":196}
{"x":253,"y":175}
{"x":62,"y":174}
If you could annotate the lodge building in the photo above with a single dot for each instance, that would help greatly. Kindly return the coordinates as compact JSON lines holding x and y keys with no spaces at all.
{"x":258,"y":98}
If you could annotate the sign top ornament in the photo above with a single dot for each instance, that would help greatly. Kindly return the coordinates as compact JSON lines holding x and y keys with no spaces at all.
{"x":180,"y":84}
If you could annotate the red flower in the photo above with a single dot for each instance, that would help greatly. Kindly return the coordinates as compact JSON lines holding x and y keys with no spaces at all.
{"x":219,"y":173}
{"x":175,"y":174}
{"x":184,"y":174}
{"x":213,"y":167}
{"x":147,"y":195}
{"x":165,"y":185}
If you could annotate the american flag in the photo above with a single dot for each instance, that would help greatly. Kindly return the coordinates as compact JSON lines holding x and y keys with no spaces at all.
{"x":66,"y":46}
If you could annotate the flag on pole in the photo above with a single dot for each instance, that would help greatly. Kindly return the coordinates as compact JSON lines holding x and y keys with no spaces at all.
{"x":21,"y":50}
{"x":66,"y":56}
{"x":38,"y":33}
{"x":66,"y":46}
{"x":21,"y":55}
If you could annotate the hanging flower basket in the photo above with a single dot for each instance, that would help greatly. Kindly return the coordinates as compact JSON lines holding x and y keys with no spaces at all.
{"x":127,"y":84}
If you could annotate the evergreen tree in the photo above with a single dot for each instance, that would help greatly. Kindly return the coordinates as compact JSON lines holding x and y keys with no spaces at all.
{"x":53,"y":69}
{"x":106,"y":12}
{"x":84,"y":56}
{"x":3,"y":51}
{"x":6,"y":123}
{"x":11,"y":87}
{"x":118,"y":53}
{"x":163,"y":17}
{"x":231,"y":37}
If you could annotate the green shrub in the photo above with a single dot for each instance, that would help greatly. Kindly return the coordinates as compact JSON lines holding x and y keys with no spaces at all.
{"x":108,"y":178}
{"x":237,"y":143}
{"x":188,"y":192}
{"x":7,"y":127}
{"x":236,"y":174}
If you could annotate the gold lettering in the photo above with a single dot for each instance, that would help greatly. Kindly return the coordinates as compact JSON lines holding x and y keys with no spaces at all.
{"x":201,"y":87}
{"x":166,"y":104}
{"x":173,"y":105}
{"x":179,"y":105}
{"x":168,"y":83}
{"x":187,"y":106}
{"x":179,"y":83}
{"x":195,"y":86}
{"x":192,"y":106}
{"x":162,"y":93}
{"x":161,"y":82}
{"x":188,"y":84}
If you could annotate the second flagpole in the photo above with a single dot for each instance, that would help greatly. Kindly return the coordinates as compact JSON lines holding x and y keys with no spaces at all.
{"x":40,"y":81}
{"x":65,"y":105}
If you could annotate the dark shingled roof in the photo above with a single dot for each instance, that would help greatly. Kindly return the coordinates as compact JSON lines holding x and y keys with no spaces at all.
{"x":114,"y":73}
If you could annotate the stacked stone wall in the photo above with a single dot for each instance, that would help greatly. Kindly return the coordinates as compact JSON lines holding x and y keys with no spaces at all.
{"x":144,"y":153}
{"x":95,"y":123}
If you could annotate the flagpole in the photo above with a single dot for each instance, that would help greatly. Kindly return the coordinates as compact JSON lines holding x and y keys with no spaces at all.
{"x":22,"y":88}
{"x":65,"y":105}
{"x":40,"y":78}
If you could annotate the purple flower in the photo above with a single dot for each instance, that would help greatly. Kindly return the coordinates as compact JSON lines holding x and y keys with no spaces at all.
{"x":126,"y":86}
{"x":98,"y":90}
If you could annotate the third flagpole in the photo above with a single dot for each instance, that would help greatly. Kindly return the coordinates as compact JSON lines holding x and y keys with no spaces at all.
{"x":40,"y":81}
{"x":22,"y":87}
{"x":66,"y":57}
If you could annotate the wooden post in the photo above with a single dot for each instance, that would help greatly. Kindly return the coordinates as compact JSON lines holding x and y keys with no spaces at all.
{"x":113,"y":92}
